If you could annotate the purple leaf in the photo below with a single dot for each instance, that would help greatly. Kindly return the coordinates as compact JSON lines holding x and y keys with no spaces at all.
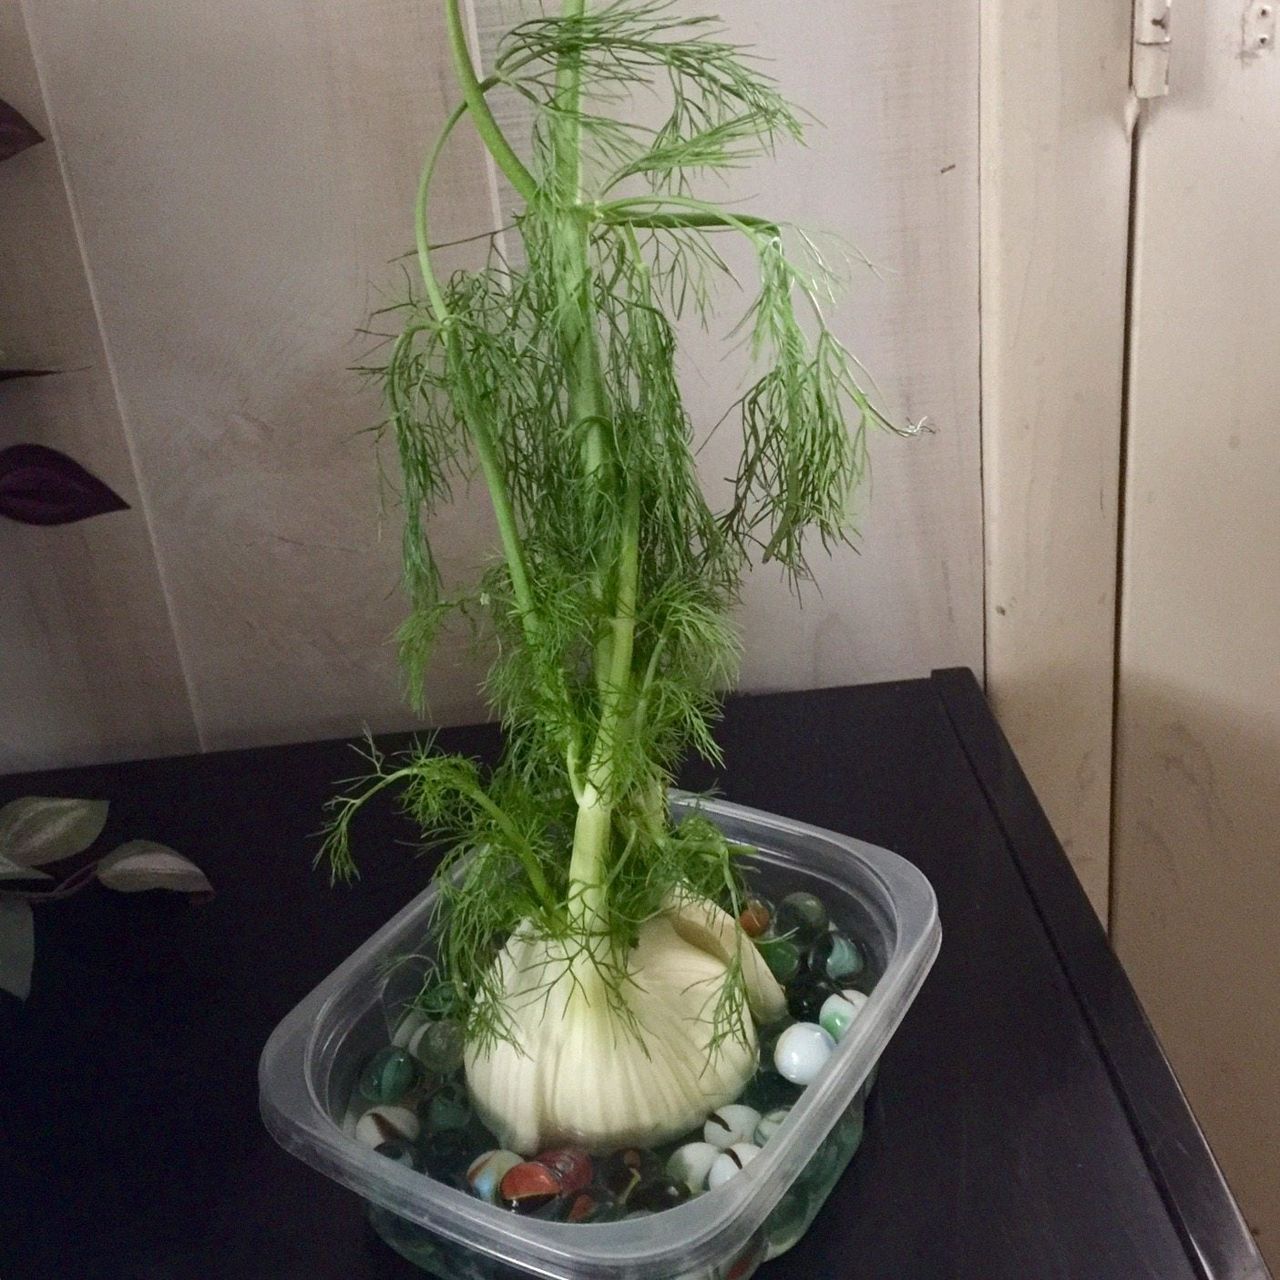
{"x":17,"y":133}
{"x":6,"y":374}
{"x":43,"y":486}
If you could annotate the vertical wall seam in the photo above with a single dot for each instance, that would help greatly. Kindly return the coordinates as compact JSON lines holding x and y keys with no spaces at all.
{"x":144,"y":500}
{"x":1130,"y":287}
{"x":983,"y":18}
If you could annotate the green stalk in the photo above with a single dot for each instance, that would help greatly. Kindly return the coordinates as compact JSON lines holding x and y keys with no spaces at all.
{"x":593,"y":830}
{"x":589,"y":411}
{"x":587,"y":401}
{"x":568,"y":128}
{"x":656,"y":212}
{"x":473,"y":95}
{"x":482,"y":439}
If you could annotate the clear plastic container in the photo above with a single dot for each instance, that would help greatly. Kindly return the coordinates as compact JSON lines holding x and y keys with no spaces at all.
{"x":310,"y":1062}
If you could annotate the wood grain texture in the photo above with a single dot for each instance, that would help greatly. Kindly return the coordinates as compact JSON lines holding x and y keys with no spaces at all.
{"x":89,"y":669}
{"x":244,"y":175}
{"x":1055,"y":191}
{"x":1197,"y":872}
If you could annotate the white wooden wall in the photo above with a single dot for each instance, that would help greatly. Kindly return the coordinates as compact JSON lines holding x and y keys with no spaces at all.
{"x":238,"y":178}
{"x":88,"y":663}
{"x":1197,"y":841}
{"x":1055,"y":224}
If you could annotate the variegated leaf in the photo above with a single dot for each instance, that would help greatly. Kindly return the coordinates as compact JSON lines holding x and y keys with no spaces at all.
{"x":39,"y":829}
{"x":144,"y":864}
{"x":17,"y":947}
{"x":11,"y":871}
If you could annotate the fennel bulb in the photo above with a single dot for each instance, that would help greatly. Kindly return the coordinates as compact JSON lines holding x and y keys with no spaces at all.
{"x":581,"y":1069}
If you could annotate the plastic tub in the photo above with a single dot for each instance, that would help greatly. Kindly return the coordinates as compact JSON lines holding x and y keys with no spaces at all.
{"x":309,"y":1063}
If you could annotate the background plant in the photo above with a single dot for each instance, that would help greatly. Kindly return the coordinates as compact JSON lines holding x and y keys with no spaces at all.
{"x":41,"y":831}
{"x":39,"y":485}
{"x":554,"y":381}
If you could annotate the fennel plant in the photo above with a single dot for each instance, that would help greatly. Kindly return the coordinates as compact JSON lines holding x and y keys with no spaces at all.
{"x":554,"y":379}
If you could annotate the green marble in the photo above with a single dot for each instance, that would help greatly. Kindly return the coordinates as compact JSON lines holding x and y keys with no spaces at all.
{"x":802,"y":917}
{"x":388,"y":1076}
{"x":839,"y":1012}
{"x":449,"y":1110}
{"x":439,"y":1046}
{"x":782,"y":956}
{"x":836,"y":957}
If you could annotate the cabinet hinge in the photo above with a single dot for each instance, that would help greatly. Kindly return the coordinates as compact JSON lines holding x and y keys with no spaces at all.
{"x":1151,"y":45}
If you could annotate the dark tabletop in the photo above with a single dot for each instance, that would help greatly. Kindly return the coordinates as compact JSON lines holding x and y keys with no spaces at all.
{"x":1025,"y":1123}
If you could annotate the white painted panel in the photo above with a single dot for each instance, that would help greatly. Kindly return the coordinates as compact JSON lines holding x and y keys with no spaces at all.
{"x":88,"y":667}
{"x":244,"y":173}
{"x":892,"y":170}
{"x":1197,"y":875}
{"x":1056,"y":165}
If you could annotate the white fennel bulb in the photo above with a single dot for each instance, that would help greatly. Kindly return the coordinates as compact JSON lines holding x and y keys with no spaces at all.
{"x":579,"y":1071}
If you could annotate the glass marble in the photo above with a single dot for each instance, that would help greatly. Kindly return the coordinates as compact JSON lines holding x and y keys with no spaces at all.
{"x":729,"y":1162}
{"x":840,"y":1011}
{"x":782,"y":956}
{"x":402,"y":1152}
{"x":384,"y":1124}
{"x":438,"y":1046}
{"x":448,"y":1110}
{"x":806,"y":996}
{"x":388,"y":1076}
{"x":836,"y":957}
{"x":727,"y":1125}
{"x":769,"y":1124}
{"x":802,"y":918}
{"x":656,"y":1194}
{"x":527,"y":1187}
{"x":802,"y":1051}
{"x":572,"y":1166}
{"x":485,"y":1173}
{"x":691,"y":1163}
{"x":755,"y":917}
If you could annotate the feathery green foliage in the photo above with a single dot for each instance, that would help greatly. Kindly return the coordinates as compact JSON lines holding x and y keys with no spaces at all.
{"x":554,"y":381}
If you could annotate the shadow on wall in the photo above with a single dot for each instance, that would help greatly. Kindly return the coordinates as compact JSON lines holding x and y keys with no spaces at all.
{"x":1069,"y":778}
{"x":1194,"y":918}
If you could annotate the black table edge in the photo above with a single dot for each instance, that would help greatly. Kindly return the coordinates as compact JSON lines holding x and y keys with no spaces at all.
{"x":1188,"y":1177}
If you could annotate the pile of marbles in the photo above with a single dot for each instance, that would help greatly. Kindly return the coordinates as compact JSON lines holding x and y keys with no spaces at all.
{"x":410,"y":1103}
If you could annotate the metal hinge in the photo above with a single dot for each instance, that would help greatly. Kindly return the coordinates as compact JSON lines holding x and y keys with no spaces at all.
{"x":1151,"y":44}
{"x":1259,"y":27}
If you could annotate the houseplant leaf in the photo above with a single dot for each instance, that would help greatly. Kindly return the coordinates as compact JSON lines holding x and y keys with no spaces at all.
{"x":17,"y":133}
{"x":144,"y":864}
{"x":12,"y":871}
{"x":17,"y":947}
{"x":39,"y":829}
{"x":39,"y":485}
